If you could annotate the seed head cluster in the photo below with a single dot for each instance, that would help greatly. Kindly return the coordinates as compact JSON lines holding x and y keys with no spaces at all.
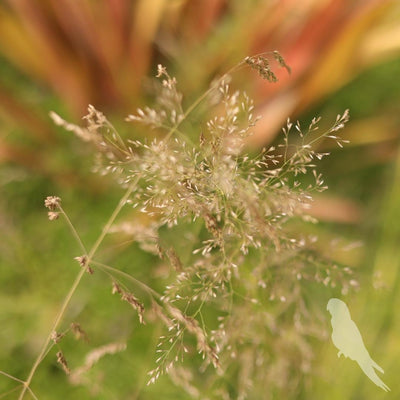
{"x":240,"y":274}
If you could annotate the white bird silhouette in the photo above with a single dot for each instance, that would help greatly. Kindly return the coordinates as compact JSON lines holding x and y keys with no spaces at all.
{"x":347,"y":339}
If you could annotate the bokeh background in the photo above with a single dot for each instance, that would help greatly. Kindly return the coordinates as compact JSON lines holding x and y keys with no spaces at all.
{"x":62,"y":55}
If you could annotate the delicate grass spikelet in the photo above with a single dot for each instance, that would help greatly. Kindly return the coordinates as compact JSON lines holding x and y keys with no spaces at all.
{"x":63,"y":362}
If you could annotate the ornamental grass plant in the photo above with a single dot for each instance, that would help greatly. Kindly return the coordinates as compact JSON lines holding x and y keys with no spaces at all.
{"x":227,"y":290}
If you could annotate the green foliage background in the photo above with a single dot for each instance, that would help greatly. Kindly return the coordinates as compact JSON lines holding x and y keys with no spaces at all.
{"x":36,"y":255}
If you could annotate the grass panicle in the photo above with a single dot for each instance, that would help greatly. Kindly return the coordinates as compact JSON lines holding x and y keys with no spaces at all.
{"x":240,"y":269}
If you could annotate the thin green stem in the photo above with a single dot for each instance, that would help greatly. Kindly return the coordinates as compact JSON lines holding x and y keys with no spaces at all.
{"x":200,"y":99}
{"x":73,"y":230}
{"x":5,"y":394}
{"x":17,"y":387}
{"x":127,"y":276}
{"x":112,"y":218}
{"x":75,"y":284}
{"x":53,"y":328}
{"x":11,"y":377}
{"x":205,"y":94}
